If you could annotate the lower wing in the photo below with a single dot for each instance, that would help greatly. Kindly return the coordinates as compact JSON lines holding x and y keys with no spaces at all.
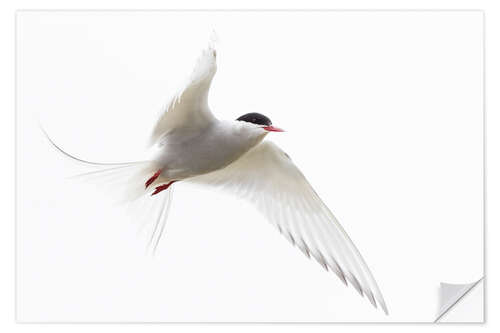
{"x":268,"y":178}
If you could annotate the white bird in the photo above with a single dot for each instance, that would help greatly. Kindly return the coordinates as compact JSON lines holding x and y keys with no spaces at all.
{"x":195,"y":146}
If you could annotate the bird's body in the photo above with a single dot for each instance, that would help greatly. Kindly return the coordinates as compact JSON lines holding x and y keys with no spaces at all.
{"x":194,"y":146}
{"x":185,"y":152}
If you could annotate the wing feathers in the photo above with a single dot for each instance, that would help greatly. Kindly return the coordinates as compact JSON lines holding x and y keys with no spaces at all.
{"x":189,"y":108}
{"x":266,"y":177}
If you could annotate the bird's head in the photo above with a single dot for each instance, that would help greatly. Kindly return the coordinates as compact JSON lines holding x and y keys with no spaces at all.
{"x":259,"y":122}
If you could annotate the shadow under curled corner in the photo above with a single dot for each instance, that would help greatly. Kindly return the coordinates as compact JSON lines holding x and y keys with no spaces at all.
{"x":460,"y":303}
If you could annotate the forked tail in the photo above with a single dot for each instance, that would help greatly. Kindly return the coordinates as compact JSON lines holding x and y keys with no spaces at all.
{"x":128,"y":183}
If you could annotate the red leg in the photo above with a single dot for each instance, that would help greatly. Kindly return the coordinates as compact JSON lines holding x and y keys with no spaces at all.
{"x":163,"y":187}
{"x":152,"y":179}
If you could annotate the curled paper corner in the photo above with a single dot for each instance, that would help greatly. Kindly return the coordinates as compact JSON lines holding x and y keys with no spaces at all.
{"x":460,"y":302}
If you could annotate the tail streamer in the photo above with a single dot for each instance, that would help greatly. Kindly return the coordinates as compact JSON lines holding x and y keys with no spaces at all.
{"x":126,"y":180}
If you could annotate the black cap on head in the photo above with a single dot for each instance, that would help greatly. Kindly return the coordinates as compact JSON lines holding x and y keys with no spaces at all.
{"x":255,"y":118}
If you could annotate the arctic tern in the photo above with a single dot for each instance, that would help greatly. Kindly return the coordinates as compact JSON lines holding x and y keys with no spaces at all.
{"x":194,"y":146}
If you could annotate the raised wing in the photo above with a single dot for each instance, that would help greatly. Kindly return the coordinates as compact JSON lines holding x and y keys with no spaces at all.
{"x":268,"y":178}
{"x":189,"y":108}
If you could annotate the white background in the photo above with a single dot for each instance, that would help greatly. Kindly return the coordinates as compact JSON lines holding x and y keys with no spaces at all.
{"x":384,"y":115}
{"x":7,"y":135}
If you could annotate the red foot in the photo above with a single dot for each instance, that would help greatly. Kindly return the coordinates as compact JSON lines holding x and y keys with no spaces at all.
{"x":152,"y":179}
{"x":163,"y":187}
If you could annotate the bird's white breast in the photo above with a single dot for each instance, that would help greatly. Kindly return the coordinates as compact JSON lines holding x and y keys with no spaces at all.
{"x":189,"y":152}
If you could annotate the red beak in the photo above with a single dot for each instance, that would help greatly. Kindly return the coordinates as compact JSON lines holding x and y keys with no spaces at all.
{"x":273,"y":129}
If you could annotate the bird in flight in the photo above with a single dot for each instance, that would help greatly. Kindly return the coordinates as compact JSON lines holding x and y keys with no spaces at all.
{"x":194,"y":146}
